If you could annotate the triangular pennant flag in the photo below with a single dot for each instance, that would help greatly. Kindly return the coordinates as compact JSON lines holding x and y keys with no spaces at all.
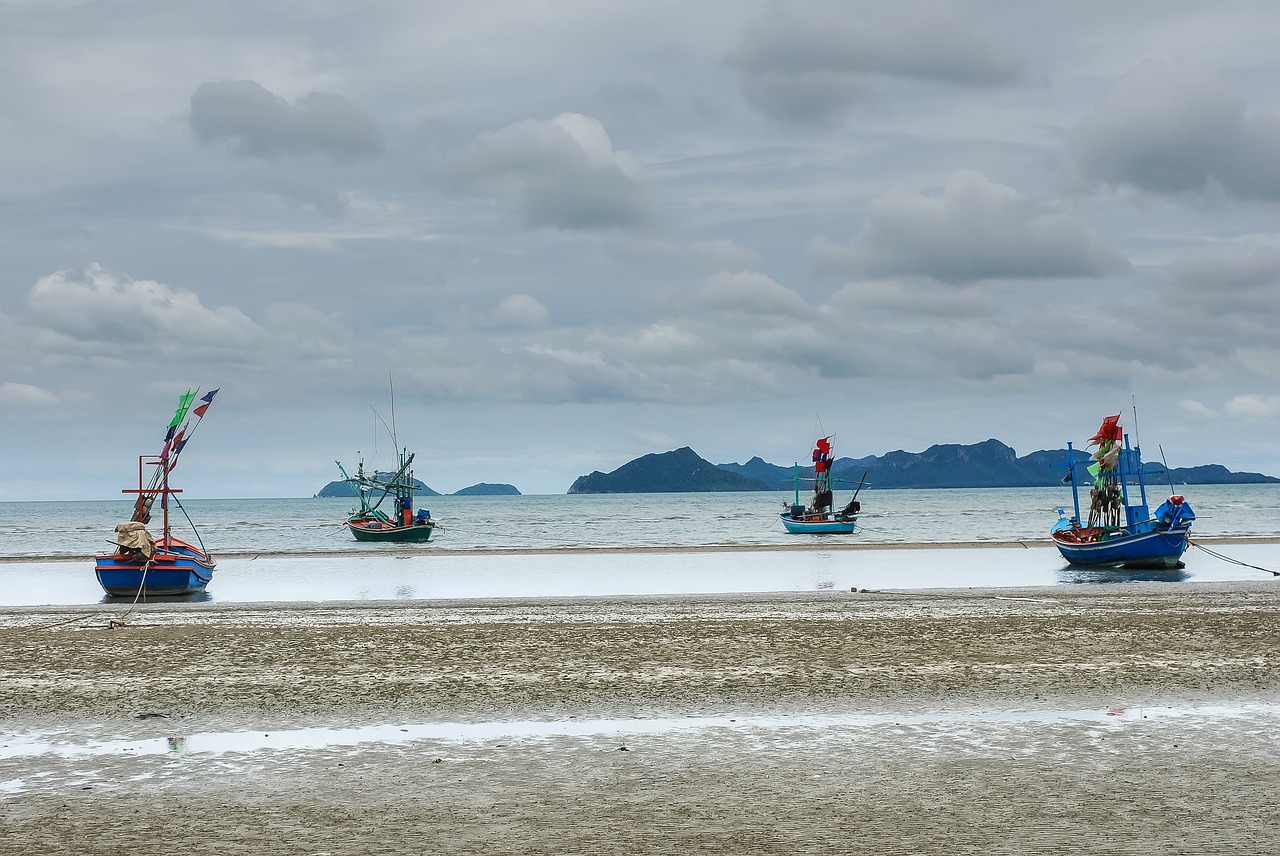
{"x":207,"y":398}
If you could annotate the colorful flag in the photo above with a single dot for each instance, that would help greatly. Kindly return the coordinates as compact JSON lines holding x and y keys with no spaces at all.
{"x":1110,"y":430}
{"x":207,"y":399}
{"x":174,"y":446}
{"x":184,"y":404}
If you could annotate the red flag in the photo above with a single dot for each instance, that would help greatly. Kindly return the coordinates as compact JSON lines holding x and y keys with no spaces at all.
{"x":1110,"y":430}
{"x":207,"y":398}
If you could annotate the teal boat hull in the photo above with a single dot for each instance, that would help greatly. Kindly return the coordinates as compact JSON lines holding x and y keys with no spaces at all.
{"x":818,"y":527}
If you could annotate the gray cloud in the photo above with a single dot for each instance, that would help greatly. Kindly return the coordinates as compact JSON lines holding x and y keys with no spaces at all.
{"x":977,"y":229}
{"x":1180,"y":129}
{"x":563,"y":173}
{"x":918,"y":297}
{"x":549,"y":271}
{"x":1223,"y":300}
{"x":260,"y":124}
{"x":1229,"y":273}
{"x":519,"y":310}
{"x":709,"y":256}
{"x":812,"y":63}
{"x":14,"y":394}
{"x":742,"y":294}
{"x":309,"y":196}
{"x":97,"y":312}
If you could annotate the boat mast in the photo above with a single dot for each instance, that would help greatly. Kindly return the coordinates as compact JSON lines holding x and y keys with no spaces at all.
{"x":1075,"y":488}
{"x":164,"y":498}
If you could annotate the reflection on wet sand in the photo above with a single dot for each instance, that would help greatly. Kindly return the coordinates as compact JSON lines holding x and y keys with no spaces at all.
{"x":1078,"y":575}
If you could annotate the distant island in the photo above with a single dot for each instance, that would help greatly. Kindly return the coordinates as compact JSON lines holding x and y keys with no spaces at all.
{"x":484,"y":489}
{"x":342,"y":488}
{"x":681,"y":471}
{"x":986,"y":464}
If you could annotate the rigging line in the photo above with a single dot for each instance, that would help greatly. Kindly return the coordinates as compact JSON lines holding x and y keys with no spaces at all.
{"x":1167,"y":474}
{"x":1232,"y":561}
{"x":192,"y":524}
{"x":392,"y":387}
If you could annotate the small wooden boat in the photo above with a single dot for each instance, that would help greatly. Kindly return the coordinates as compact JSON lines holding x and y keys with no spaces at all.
{"x":1120,"y":531}
{"x":819,"y":516}
{"x":142,"y":566}
{"x":370,"y":523}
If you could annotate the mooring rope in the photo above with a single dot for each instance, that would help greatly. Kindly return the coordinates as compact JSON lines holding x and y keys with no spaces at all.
{"x":122,"y":620}
{"x":1232,"y":561}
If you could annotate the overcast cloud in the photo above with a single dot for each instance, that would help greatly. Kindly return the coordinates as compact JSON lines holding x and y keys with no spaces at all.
{"x":568,"y":232}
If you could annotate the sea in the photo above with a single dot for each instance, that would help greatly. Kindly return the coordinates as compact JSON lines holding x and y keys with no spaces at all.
{"x":596,"y":545}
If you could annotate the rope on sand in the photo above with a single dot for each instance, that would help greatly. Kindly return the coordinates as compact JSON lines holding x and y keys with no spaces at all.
{"x":1232,"y":561}
{"x":123,"y":620}
{"x":117,"y":620}
{"x":67,"y":621}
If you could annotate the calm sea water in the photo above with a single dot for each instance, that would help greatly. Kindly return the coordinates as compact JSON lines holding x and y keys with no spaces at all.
{"x":254,"y":538}
{"x":61,"y":529}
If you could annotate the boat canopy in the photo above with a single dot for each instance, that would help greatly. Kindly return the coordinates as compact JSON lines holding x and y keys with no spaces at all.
{"x":134,"y":536}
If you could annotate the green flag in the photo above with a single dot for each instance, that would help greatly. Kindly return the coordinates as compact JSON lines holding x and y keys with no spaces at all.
{"x":184,"y":404}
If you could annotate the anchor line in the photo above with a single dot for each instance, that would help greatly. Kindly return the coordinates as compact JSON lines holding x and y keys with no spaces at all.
{"x":1232,"y":561}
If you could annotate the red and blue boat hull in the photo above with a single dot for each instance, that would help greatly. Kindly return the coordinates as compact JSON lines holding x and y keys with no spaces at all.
{"x":176,"y":569}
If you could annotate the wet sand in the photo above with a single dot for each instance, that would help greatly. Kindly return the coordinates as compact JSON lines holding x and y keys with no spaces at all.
{"x":1127,"y":718}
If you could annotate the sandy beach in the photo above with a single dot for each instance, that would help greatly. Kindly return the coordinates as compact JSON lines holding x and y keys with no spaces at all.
{"x":1127,"y":718}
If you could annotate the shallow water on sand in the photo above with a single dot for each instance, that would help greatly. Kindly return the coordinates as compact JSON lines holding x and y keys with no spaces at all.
{"x":427,"y":575}
{"x":961,"y":726}
{"x":635,"y":544}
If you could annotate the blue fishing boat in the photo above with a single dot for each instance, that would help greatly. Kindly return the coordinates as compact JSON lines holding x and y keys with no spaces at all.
{"x":819,"y":516}
{"x":1120,"y":531}
{"x":143,"y":566}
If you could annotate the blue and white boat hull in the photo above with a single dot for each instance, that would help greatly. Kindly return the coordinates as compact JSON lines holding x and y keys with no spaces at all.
{"x":1141,"y":548}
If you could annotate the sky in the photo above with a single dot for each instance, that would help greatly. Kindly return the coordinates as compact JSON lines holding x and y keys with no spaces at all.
{"x":541,"y":239}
